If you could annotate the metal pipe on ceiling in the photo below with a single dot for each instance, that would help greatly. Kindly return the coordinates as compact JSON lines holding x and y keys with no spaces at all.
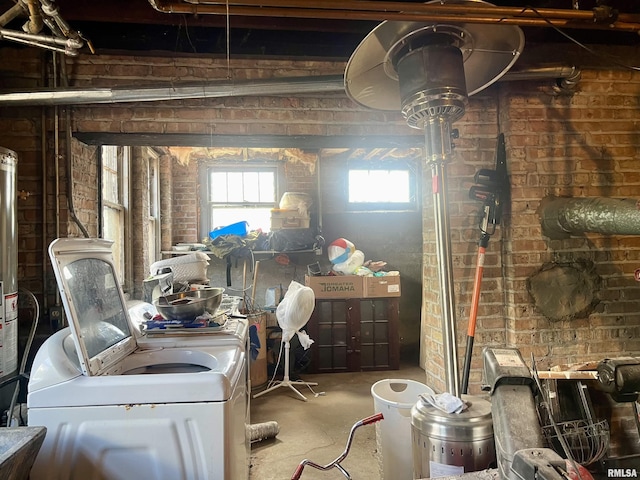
{"x":278,"y":86}
{"x":14,"y":12}
{"x":35,"y":23}
{"x":425,"y":8}
{"x":599,"y":18}
{"x":40,"y":13}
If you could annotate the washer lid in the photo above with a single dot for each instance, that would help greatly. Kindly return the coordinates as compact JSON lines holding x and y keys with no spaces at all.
{"x":93,"y":302}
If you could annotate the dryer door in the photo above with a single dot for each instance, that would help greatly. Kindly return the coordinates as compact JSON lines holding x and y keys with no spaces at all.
{"x":93,"y":302}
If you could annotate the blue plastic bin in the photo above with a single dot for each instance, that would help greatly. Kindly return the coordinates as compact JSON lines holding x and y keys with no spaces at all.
{"x":239,"y":229}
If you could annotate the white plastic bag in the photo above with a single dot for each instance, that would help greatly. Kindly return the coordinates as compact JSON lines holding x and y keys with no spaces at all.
{"x":354,"y":262}
{"x":294,"y":311}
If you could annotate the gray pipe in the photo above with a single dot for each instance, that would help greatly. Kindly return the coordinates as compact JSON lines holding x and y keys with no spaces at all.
{"x":532,"y":73}
{"x":70,"y":45}
{"x":567,"y":78}
{"x":225,"y":88}
{"x":563,"y":217}
{"x":14,"y":12}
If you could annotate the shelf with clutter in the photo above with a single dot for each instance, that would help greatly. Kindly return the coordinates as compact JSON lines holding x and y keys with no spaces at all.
{"x":291,"y":230}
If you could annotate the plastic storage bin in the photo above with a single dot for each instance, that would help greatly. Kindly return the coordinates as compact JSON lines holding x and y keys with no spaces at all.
{"x":189,"y":268}
{"x":240,"y":229}
{"x":394,"y":399}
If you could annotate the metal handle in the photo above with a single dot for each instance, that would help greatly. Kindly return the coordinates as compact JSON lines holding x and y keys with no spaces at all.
{"x":296,"y":475}
{"x":372,"y":419}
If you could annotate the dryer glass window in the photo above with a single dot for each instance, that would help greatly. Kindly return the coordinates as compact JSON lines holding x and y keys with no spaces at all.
{"x":94,"y":291}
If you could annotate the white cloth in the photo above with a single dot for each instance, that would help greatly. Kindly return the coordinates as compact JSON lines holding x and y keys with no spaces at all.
{"x":294,"y":312}
{"x":444,"y":401}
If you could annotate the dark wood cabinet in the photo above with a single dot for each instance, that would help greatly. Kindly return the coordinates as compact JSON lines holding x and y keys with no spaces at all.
{"x":355,"y":334}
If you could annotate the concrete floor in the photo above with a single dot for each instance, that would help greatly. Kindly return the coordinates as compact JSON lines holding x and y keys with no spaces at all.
{"x":318,"y":428}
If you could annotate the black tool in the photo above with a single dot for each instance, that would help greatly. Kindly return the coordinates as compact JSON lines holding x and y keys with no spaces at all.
{"x":492,"y":188}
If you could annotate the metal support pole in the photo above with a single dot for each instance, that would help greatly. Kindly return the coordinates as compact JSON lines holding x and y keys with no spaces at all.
{"x":438,"y":152}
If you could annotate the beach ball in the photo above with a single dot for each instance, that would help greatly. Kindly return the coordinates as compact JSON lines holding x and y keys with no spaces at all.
{"x":352,"y":263}
{"x":340,"y":250}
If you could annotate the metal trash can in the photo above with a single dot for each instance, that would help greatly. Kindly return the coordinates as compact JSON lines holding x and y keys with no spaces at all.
{"x":446,"y":444}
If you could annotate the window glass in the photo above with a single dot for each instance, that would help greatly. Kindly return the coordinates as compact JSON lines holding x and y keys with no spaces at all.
{"x":381,"y":188}
{"x":153,"y":191}
{"x":115,"y":170}
{"x":110,"y":190}
{"x":97,"y":303}
{"x":375,"y":186}
{"x":242,"y":194}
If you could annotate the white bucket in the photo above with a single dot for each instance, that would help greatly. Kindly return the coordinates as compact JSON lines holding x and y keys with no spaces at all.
{"x":394,"y":399}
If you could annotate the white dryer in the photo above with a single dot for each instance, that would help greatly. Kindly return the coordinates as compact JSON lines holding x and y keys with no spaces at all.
{"x":118,"y":405}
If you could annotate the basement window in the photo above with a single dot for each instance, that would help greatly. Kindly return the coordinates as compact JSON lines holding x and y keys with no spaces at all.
{"x":241,"y":194}
{"x":115,"y":204}
{"x":374,"y":189}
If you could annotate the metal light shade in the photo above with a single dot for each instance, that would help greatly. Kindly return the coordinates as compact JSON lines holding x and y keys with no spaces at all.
{"x":488,"y":52}
{"x":428,"y":92}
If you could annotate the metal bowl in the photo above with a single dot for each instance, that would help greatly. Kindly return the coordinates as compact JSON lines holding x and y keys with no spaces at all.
{"x":187,"y":306}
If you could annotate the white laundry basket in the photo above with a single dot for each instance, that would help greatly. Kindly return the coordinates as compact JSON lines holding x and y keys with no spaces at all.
{"x":394,"y":399}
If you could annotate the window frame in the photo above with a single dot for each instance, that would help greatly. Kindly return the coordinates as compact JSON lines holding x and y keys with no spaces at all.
{"x":205,"y":192}
{"x":414,"y":190}
{"x":154,"y":218}
{"x":122,"y":207}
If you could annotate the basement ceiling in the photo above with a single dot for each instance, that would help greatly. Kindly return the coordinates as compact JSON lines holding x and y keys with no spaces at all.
{"x":281,"y":29}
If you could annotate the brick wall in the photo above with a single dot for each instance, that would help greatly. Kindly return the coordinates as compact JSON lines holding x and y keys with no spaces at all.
{"x":185,"y":208}
{"x":166,"y":196}
{"x":140,"y":218}
{"x":580,"y":145}
{"x":556,"y":146}
{"x":85,"y":189}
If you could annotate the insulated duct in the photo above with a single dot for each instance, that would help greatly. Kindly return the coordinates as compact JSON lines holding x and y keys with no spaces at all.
{"x":566,"y":78}
{"x":276,"y":86}
{"x":563,"y":217}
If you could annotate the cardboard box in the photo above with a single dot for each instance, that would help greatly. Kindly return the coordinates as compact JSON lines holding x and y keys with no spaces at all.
{"x":387,"y":286}
{"x":339,"y":286}
{"x":281,"y":219}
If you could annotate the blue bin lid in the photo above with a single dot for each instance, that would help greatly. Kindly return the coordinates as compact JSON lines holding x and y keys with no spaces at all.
{"x":239,"y":228}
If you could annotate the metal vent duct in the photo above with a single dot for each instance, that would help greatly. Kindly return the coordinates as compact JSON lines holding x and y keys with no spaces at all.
{"x":563,"y":217}
{"x":427,"y":71}
{"x":566,"y":77}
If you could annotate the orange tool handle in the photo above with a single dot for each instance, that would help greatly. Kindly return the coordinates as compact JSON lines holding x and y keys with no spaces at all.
{"x":475,"y":299}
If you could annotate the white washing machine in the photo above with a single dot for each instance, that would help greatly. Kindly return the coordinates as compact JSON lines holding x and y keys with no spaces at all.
{"x":119,"y":404}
